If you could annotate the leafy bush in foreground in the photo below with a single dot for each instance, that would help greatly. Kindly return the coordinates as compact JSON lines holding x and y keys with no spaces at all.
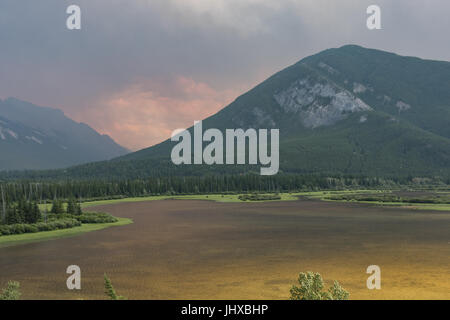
{"x":11,"y":292}
{"x":311,"y":286}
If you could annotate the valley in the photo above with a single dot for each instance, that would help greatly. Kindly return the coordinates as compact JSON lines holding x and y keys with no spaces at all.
{"x":359,"y":178}
{"x":183,"y":151}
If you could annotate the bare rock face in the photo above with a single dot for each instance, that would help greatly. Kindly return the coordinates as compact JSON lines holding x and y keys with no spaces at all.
{"x":359,"y":88}
{"x":319,"y":103}
{"x":402,"y":106}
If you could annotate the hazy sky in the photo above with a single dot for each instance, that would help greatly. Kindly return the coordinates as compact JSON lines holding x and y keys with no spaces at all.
{"x":140,"y":68}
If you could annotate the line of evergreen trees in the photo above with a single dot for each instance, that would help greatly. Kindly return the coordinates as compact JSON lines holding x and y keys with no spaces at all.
{"x":23,"y":212}
{"x":32,"y":191}
{"x":102,"y":189}
{"x":28,"y":212}
{"x":73,"y":207}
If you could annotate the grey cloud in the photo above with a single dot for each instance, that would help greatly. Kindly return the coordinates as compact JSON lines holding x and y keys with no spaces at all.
{"x":225,"y":43}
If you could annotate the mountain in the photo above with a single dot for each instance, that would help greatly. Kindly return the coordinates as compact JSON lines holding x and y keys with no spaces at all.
{"x":33,"y":137}
{"x":347,"y":110}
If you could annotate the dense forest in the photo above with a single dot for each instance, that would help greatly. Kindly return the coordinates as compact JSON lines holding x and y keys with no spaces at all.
{"x":25,"y":216}
{"x":82,"y":190}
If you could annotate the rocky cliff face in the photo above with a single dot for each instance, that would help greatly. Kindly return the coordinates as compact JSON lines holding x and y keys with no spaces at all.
{"x":319,"y":103}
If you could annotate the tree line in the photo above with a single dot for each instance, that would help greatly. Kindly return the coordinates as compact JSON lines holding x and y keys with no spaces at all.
{"x":14,"y":191}
{"x":28,"y":212}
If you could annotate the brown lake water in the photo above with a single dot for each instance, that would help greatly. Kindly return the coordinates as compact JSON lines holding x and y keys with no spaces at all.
{"x":184,"y":249}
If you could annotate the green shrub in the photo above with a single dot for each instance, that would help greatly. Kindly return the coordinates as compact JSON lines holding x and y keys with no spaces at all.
{"x":96,"y":217}
{"x":38,"y":227}
{"x":311,"y":286}
{"x":42,"y":226}
{"x":11,"y":292}
{"x":259,"y":197}
{"x":337,"y":292}
{"x":18,"y":228}
{"x":30,"y":228}
{"x":4,"y":231}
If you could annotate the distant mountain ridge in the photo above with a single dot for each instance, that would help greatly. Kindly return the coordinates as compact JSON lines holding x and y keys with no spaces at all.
{"x":348,"y":110}
{"x":33,"y":137}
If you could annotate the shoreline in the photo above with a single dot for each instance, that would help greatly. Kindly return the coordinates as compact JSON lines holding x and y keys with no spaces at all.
{"x":24,"y":238}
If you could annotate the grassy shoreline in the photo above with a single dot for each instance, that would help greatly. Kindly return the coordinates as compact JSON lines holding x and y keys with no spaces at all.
{"x":286,"y":196}
{"x":322,"y":195}
{"x":17,"y":239}
{"x":208,"y":197}
{"x":317,"y":195}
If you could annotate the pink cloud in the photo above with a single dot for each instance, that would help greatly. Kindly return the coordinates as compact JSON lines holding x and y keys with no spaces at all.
{"x":146,"y":113}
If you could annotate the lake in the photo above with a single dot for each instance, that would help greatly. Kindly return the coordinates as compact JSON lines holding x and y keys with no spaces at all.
{"x":189,"y":249}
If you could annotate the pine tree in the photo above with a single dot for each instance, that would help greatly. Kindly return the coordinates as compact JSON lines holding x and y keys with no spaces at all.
{"x":56,"y":207}
{"x":78,"y":210}
{"x":12,"y":216}
{"x":109,"y":290}
{"x":71,"y":206}
{"x":22,"y":211}
{"x":36,"y":212}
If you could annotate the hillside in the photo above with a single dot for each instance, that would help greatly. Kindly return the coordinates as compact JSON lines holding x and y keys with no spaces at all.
{"x":33,"y":137}
{"x":349,"y":110}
